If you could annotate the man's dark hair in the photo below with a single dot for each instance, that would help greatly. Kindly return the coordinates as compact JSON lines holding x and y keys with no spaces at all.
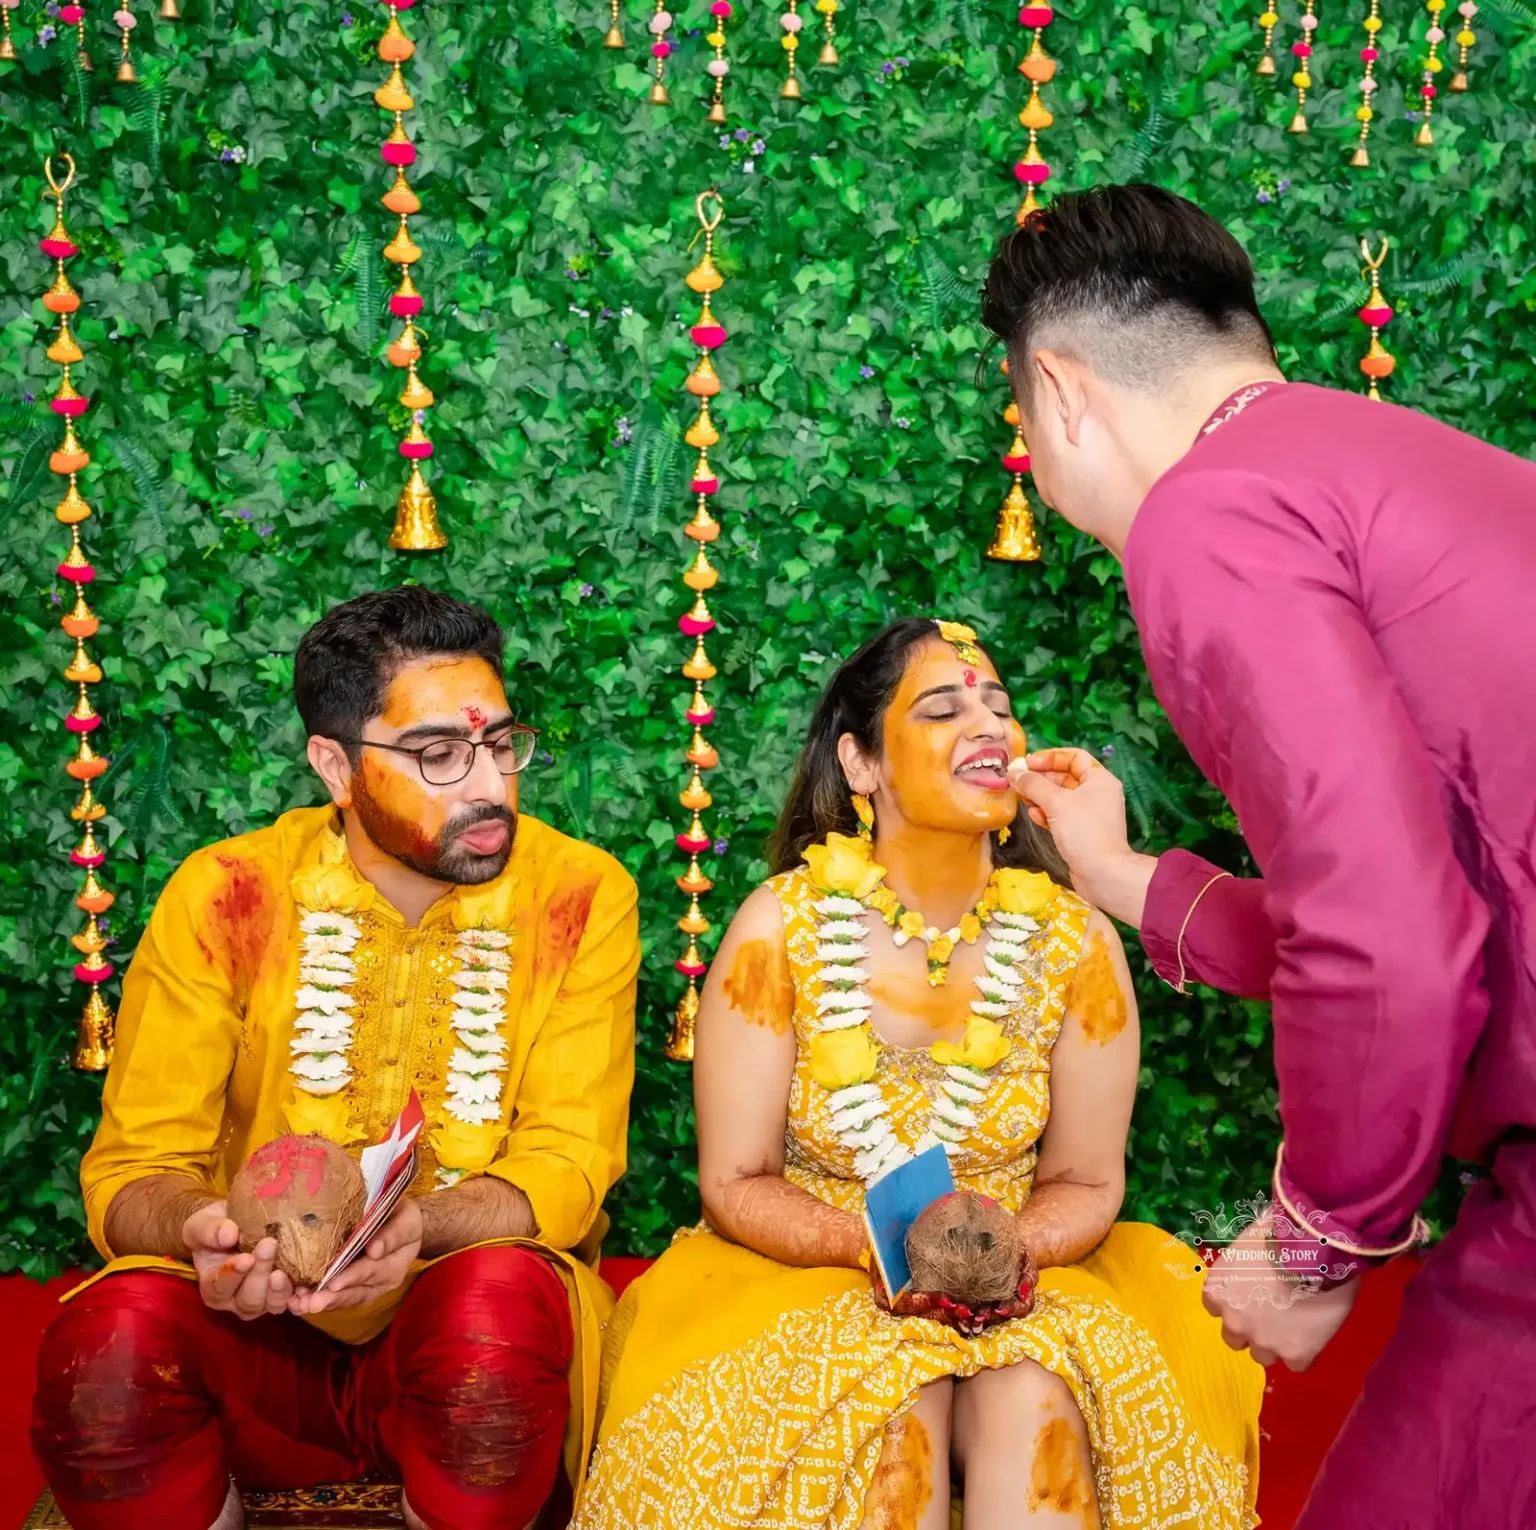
{"x":347,"y":659}
{"x":1134,"y":281}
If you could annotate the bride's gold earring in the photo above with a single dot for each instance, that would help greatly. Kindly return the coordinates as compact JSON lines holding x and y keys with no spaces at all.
{"x":1005,"y":833}
{"x":865,"y":813}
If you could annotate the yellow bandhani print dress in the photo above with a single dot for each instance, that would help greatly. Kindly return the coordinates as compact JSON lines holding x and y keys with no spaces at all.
{"x":741,"y":1392}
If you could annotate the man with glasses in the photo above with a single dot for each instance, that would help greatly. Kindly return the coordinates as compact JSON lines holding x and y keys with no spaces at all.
{"x":413,"y":933}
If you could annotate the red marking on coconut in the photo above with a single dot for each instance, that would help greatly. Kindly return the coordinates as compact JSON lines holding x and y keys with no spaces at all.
{"x":280,"y":1163}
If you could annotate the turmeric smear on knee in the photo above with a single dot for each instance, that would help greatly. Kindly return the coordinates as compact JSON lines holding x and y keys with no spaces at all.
{"x":1056,"y":1478}
{"x":903,"y":1481}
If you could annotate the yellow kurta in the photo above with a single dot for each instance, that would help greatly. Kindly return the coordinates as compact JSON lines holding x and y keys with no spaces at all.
{"x":741,"y":1392}
{"x":200,"y":1076}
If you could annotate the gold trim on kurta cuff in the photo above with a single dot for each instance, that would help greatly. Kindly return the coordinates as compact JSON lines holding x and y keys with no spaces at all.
{"x":1418,"y":1229}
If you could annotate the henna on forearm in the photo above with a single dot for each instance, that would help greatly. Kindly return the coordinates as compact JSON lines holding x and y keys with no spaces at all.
{"x":476,"y":1211}
{"x":147,"y":1216}
{"x":768,"y":1214}
{"x":1061,"y":1221}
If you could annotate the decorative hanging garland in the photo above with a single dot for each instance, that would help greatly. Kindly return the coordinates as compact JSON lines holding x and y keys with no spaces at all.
{"x":93,"y":1046}
{"x":416,"y":526}
{"x":1302,"y":78}
{"x":73,"y":15}
{"x":1365,"y":111}
{"x":1015,"y":540}
{"x":718,"y":66}
{"x":1269,"y":19}
{"x":828,"y":9}
{"x":1433,"y":65}
{"x":790,"y":23}
{"x":7,"y":42}
{"x":615,"y":34}
{"x":126,"y":73}
{"x":1378,"y":363}
{"x":704,"y":384}
{"x":660,"y":23}
{"x":1465,"y":38}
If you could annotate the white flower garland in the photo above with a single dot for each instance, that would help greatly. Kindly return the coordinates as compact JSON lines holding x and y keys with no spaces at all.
{"x":479,"y":1009}
{"x":323,"y":1029}
{"x":859,"y":1112}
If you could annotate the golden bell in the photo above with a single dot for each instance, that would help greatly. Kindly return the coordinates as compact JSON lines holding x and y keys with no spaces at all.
{"x":82,"y":669}
{"x":791,"y":90}
{"x":829,"y":54}
{"x":126,"y":73}
{"x":94,"y":898}
{"x":1424,"y":138}
{"x":614,"y":39}
{"x":416,"y":394}
{"x":703,"y":527}
{"x":693,"y":881}
{"x":1459,"y":82}
{"x":402,"y":249}
{"x":1266,"y":65}
{"x":169,"y":10}
{"x":1361,"y":158}
{"x":1299,"y":123}
{"x":88,"y":810}
{"x":64,"y":349}
{"x":1015,"y":540}
{"x":696,"y":796}
{"x":85,"y":61}
{"x":8,"y":48}
{"x":1029,"y":205}
{"x":694,"y":922}
{"x":392,"y":96}
{"x":699,"y":667}
{"x":705,"y":277}
{"x":716,"y":112}
{"x":659,"y":96}
{"x":680,"y":1042}
{"x":93,"y":1038}
{"x":702,"y":574}
{"x":416,"y":528}
{"x":90,"y":941}
{"x":702,"y":432}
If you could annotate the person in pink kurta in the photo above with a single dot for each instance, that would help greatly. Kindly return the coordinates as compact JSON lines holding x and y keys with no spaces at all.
{"x":1337,"y":604}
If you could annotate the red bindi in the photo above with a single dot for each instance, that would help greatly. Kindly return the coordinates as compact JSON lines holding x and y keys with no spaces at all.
{"x":970,"y":677}
{"x":476,"y":717}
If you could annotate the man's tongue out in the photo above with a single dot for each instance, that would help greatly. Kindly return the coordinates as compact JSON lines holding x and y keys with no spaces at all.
{"x":485,"y":838}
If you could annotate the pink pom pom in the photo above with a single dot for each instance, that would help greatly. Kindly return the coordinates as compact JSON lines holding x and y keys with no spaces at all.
{"x":660,"y":49}
{"x":690,"y":626}
{"x":691,"y":969}
{"x":400,"y":5}
{"x":58,"y":249}
{"x":404,"y":307}
{"x":1032,"y":175}
{"x":71,"y":15}
{"x":415,"y":449}
{"x":86,"y":974}
{"x":82,"y":575}
{"x":1429,"y":92}
{"x":1369,"y":55}
{"x":1035,"y":16}
{"x":71,"y":408}
{"x":1377,"y":318}
{"x":709,"y":336}
{"x":691,"y":846}
{"x":720,"y":8}
{"x":399,"y":154}
{"x":704,"y":486}
{"x":1016,"y":464}
{"x":700,"y":719}
{"x":82,"y":725}
{"x":1302,"y":50}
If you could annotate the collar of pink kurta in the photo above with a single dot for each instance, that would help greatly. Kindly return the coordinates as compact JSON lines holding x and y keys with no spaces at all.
{"x":1234,"y":404}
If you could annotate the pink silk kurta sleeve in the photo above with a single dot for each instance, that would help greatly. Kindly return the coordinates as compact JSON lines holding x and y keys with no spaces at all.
{"x":1201,"y":925}
{"x":1259,"y":650}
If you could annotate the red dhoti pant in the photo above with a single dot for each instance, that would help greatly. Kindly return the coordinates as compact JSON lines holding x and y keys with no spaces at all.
{"x":148,"y":1402}
{"x":1441,"y":1438}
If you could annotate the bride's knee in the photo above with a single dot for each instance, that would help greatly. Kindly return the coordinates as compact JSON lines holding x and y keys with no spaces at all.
{"x":1009,"y":1403}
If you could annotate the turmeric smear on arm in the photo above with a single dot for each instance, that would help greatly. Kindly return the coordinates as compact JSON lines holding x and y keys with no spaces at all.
{"x":758,"y":986}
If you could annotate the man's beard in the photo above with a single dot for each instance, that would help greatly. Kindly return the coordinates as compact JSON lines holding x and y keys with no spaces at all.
{"x":443,"y":859}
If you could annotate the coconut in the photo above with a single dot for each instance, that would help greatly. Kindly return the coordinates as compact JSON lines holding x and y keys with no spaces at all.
{"x":305,"y":1192}
{"x":966,"y":1247}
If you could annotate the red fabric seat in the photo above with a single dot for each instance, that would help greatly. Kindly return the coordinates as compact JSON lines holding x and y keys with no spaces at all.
{"x":1301,"y":1414}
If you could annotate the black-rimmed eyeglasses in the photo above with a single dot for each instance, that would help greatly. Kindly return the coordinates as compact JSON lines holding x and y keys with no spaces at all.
{"x":449,"y":760}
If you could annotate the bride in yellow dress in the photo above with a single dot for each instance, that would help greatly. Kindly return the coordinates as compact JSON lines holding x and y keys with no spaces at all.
{"x":916,"y":979}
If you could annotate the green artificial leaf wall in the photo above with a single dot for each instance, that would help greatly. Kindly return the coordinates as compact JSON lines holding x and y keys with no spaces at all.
{"x":243,"y":428}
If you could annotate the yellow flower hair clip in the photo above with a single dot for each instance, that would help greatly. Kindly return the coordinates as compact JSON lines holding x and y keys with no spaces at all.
{"x":964,"y":640}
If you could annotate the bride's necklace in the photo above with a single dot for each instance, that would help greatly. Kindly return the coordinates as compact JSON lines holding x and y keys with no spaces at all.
{"x":908,"y":924}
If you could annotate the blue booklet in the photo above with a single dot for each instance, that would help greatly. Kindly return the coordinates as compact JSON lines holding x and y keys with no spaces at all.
{"x":894,"y":1202}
